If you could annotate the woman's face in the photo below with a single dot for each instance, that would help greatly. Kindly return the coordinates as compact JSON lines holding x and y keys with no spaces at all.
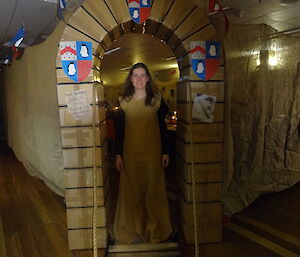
{"x":139,"y":78}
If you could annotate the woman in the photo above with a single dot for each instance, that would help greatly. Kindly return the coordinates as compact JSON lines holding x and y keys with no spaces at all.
{"x":142,"y":213}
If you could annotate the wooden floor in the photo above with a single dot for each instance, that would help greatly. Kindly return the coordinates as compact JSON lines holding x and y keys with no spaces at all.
{"x":33,"y":222}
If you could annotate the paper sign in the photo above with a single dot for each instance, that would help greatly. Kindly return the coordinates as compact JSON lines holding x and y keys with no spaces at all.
{"x":77,"y":104}
{"x":203,"y":107}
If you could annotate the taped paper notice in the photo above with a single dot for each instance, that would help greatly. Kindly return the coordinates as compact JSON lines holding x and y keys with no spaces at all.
{"x":77,"y":104}
{"x":203,"y":107}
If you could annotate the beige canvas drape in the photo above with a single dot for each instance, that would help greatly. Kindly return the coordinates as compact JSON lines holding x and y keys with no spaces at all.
{"x":262,"y":142}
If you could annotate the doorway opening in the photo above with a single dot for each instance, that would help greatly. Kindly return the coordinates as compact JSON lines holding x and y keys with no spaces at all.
{"x":129,"y":49}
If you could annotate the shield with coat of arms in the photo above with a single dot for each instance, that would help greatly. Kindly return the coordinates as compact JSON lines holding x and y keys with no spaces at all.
{"x":205,"y":58}
{"x":76,"y":59}
{"x":139,"y":10}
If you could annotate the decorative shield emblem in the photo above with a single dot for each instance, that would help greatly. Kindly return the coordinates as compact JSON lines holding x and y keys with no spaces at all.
{"x":139,"y":10}
{"x":205,"y":58}
{"x":76,"y":59}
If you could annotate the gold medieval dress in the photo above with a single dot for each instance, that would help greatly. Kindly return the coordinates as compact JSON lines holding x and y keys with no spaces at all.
{"x":142,"y":213}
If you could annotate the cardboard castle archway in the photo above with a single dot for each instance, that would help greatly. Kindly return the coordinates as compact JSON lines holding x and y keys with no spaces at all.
{"x":177,"y":22}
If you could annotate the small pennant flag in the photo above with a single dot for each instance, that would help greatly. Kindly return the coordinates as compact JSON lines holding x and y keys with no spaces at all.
{"x":8,"y":59}
{"x":16,"y":53}
{"x":18,"y":38}
{"x":214,"y":6}
{"x":61,"y":5}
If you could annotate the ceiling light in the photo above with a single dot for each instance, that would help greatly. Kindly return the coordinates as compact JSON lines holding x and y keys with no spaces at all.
{"x":125,"y":68}
{"x":291,"y":31}
{"x":169,"y":58}
{"x":97,"y":68}
{"x":272,"y":61}
{"x":257,"y":62}
{"x":174,"y":65}
{"x":288,"y":2}
{"x":51,"y":1}
{"x":112,"y":50}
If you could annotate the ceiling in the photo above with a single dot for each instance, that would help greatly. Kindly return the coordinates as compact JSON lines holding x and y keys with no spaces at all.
{"x":39,"y":17}
{"x":283,"y":15}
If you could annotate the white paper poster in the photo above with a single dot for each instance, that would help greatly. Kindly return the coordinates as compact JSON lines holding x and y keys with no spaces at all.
{"x":203,"y":107}
{"x":78,"y":105}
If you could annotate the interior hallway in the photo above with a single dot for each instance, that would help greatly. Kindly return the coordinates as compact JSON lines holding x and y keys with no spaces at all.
{"x":33,"y":221}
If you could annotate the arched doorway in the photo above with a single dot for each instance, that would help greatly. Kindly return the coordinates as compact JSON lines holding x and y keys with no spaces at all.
{"x":175,"y":22}
{"x":123,"y":53}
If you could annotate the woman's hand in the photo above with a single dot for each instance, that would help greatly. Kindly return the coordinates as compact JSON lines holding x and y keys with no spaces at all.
{"x":165,"y":160}
{"x":119,"y":163}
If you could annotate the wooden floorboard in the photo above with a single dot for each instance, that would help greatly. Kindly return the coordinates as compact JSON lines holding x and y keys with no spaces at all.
{"x":279,"y":210}
{"x":233,"y":245}
{"x":281,"y":251}
{"x":3,"y":252}
{"x":33,"y":221}
{"x":269,"y":229}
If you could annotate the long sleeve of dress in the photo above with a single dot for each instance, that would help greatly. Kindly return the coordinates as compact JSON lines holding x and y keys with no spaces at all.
{"x":165,"y":141}
{"x":120,"y":131}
